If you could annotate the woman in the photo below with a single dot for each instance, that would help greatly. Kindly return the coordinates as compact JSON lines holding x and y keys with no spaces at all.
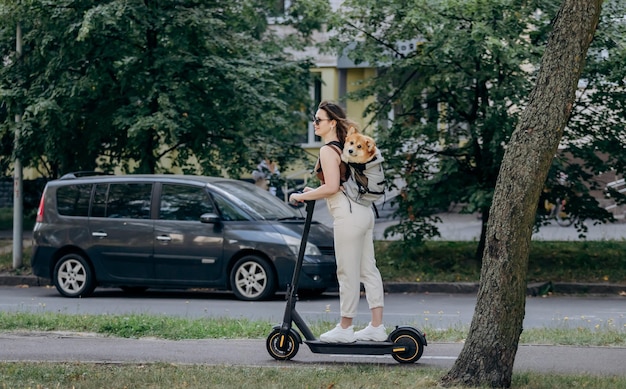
{"x":353,"y":233}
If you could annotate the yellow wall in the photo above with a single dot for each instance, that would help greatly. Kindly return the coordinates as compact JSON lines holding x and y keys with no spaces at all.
{"x":330,"y":83}
{"x":355,"y":109}
{"x":330,"y":90}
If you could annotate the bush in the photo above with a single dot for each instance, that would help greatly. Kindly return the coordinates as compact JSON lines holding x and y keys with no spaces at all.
{"x":580,"y":261}
{"x":6,"y":218}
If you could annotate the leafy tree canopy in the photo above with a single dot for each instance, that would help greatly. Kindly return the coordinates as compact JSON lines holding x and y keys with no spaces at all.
{"x":453,"y":77}
{"x":129,"y":83}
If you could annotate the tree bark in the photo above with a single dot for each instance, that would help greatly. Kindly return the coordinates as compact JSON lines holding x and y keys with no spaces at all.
{"x":489,"y":352}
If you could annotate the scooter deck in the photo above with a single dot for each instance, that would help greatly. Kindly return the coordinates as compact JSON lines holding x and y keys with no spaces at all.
{"x":355,"y":348}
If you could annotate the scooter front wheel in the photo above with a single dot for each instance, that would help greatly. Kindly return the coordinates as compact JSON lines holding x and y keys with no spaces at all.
{"x":412,"y":343}
{"x":282,"y":347}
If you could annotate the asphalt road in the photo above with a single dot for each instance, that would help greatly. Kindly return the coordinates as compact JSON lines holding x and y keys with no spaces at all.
{"x":431,"y":310}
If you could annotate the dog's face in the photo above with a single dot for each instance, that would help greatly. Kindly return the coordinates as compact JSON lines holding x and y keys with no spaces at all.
{"x":358,"y":148}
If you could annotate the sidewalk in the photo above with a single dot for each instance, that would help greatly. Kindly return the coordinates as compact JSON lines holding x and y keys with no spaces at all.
{"x":87,"y":347}
{"x":455,"y":226}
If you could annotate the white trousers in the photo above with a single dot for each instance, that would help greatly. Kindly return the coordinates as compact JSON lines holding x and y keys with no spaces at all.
{"x":354,"y":249}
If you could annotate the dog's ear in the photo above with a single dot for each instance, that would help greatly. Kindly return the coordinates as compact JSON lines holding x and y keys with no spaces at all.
{"x":352,"y":130}
{"x":371,"y":145}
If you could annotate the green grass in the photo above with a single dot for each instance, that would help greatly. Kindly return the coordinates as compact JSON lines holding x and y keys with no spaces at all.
{"x":135,"y":325}
{"x":442,"y":261}
{"x":601,"y":336}
{"x":161,"y":375}
{"x":176,"y":328}
{"x":165,"y":327}
{"x":6,"y":219}
{"x":6,"y":260}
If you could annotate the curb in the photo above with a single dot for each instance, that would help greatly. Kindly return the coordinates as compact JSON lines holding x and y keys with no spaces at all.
{"x":431,"y":287}
{"x":10,"y":280}
{"x":534,"y":289}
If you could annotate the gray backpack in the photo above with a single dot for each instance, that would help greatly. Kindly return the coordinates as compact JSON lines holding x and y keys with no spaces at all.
{"x":367,"y":181}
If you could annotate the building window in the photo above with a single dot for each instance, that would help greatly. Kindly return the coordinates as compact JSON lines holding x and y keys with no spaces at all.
{"x":278,"y":11}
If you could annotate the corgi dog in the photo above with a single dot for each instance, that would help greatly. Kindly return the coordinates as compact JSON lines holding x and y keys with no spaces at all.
{"x":358,"y":148}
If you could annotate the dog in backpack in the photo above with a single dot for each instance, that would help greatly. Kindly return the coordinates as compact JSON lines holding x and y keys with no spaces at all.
{"x":366,"y":183}
{"x":358,"y":148}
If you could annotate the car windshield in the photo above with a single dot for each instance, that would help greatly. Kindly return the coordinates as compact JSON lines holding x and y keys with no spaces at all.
{"x":255,"y":201}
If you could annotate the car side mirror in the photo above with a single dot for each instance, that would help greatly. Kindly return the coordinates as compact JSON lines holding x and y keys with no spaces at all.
{"x":209,"y":218}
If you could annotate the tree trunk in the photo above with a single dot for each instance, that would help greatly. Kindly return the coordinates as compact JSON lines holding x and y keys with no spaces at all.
{"x":489,"y":352}
{"x":484,"y":222}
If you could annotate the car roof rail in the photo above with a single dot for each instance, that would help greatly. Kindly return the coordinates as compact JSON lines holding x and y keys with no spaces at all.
{"x":84,"y":173}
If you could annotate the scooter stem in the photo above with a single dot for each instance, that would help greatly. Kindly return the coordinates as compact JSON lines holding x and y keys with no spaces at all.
{"x":292,"y":289}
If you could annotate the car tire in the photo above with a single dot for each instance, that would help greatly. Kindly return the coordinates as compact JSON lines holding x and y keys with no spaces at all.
{"x":252,"y":278}
{"x":73,"y":276}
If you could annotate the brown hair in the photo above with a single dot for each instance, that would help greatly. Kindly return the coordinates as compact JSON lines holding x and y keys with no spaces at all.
{"x":337,"y":113}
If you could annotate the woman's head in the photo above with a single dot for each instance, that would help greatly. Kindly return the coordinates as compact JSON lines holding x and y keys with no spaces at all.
{"x":337,"y":114}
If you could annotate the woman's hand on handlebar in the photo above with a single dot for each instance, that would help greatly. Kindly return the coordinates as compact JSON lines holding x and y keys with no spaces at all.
{"x":296,"y":197}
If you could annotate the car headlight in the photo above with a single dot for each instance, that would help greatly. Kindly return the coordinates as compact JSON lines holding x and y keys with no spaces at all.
{"x":294,"y":246}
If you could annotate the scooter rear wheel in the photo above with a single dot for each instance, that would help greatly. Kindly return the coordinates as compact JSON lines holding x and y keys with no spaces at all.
{"x":413,"y":344}
{"x":289,"y":343}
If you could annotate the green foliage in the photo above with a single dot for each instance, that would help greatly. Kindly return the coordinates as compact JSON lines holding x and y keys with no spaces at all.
{"x":127,"y":83}
{"x":6,"y":219}
{"x":454,"y":76}
{"x":595,"y":134}
{"x":441,"y":261}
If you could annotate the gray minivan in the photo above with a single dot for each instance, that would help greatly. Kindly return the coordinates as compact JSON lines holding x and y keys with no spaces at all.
{"x":174,"y":231}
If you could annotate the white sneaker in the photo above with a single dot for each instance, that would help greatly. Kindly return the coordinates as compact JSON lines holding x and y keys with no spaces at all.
{"x":376,"y":334}
{"x":338,"y":335}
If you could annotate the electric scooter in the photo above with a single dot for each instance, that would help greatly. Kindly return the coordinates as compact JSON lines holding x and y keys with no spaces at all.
{"x":406,"y":344}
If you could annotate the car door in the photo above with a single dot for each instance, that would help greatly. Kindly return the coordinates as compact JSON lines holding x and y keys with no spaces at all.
{"x":122,"y":231}
{"x":187,"y":251}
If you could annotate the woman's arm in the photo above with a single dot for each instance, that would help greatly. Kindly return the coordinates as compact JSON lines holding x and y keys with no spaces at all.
{"x":329,"y":161}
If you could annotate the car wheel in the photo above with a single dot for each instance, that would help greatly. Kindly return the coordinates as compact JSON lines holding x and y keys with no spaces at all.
{"x":252,"y":279}
{"x":73,"y":276}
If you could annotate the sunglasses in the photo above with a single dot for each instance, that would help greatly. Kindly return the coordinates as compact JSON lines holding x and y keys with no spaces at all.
{"x":318,"y":120}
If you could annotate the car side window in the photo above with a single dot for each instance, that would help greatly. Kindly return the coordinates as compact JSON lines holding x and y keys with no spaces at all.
{"x":73,"y":200}
{"x":228,"y":210}
{"x":184,"y":202}
{"x":123,"y":200}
